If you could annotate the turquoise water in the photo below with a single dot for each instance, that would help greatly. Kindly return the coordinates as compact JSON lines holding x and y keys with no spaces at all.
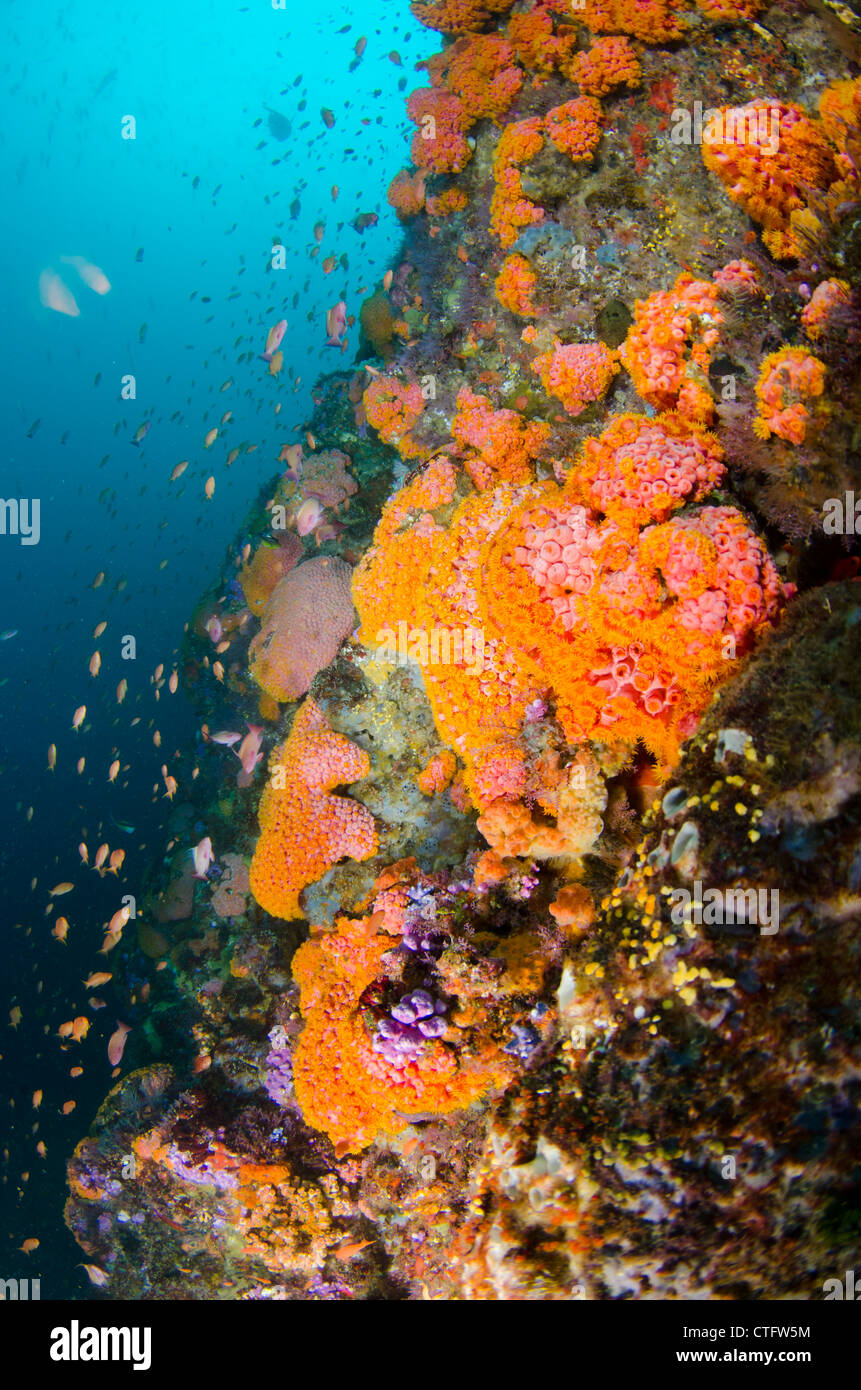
{"x":181,"y":220}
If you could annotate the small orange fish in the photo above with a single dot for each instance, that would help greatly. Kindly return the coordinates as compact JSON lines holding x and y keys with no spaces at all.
{"x":209,"y":486}
{"x":173,"y":682}
{"x":101,"y":856}
{"x":95,"y":664}
{"x":37,"y":1099}
{"x":69,"y":1107}
{"x":52,"y":757}
{"x":277,"y":363}
{"x":98,"y":630}
{"x":60,"y":929}
{"x":96,"y":978}
{"x":80,"y":1028}
{"x":41,"y":1148}
{"x":76,"y":1071}
{"x":179,"y":470}
{"x":95,"y":1275}
{"x":79,"y":716}
{"x":231,"y":457}
{"x":211,"y":438}
{"x":60,"y":888}
{"x":116,"y":861}
{"x":118,"y":921}
{"x":83,"y":852}
{"x":81,"y":763}
{"x":117,"y":1043}
{"x":113,"y":770}
{"x":156,"y":738}
{"x":387,"y":279}
{"x":348,"y":1249}
{"x":218,"y":670}
{"x":329,"y":264}
{"x":30,"y":1244}
{"x":99,"y":580}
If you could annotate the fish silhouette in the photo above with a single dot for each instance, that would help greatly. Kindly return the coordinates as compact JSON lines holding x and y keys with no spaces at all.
{"x":279,"y":125}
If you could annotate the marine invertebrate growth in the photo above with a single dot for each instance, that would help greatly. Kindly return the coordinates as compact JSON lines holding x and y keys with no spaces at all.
{"x":577,"y":373}
{"x":669,"y":346}
{"x":355,"y":1086}
{"x":304,"y":829}
{"x":787,"y":380}
{"x":457,"y":16}
{"x":308,"y":615}
{"x":767,"y":154}
{"x":393,"y":406}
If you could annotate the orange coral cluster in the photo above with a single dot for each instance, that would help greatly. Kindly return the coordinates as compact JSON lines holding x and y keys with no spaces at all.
{"x":820,"y":313}
{"x":438,"y":774}
{"x":457,"y":16}
{"x":767,"y":154}
{"x":653,"y":21}
{"x":726,"y":11}
{"x":626,"y":626}
{"x":444,"y":204}
{"x":786,"y":380}
{"x":505,"y":445}
{"x":343,"y":1086}
{"x":407,"y":193}
{"x":393,"y":407}
{"x":666,"y":371}
{"x":481,"y":73}
{"x":304,"y":829}
{"x":577,"y":373}
{"x":406,"y":534}
{"x":515,"y":286}
{"x":610,"y":62}
{"x":439,"y":145}
{"x":510,"y":209}
{"x":537,"y":47}
{"x":575,"y":127}
{"x":283,"y":1220}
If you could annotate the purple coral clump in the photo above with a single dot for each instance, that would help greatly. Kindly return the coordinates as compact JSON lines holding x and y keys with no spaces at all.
{"x":279,"y":1068}
{"x":415,"y":1018}
{"x":419,"y":934}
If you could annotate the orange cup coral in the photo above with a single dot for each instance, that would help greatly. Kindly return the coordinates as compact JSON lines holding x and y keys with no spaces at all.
{"x":346,"y":1088}
{"x":304,"y":829}
{"x":767,"y":154}
{"x":393,"y":407}
{"x":786,"y":380}
{"x":576,"y":374}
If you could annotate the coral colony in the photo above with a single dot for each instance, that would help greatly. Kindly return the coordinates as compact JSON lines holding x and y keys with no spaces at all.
{"x":525,"y":967}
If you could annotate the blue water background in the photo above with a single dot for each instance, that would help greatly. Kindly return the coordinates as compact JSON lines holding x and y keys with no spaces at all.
{"x":195,"y":76}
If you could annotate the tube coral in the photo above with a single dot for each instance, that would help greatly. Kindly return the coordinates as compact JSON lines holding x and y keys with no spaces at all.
{"x":767,"y":154}
{"x":304,"y":829}
{"x":393,"y":407}
{"x":786,"y":380}
{"x":576,"y":374}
